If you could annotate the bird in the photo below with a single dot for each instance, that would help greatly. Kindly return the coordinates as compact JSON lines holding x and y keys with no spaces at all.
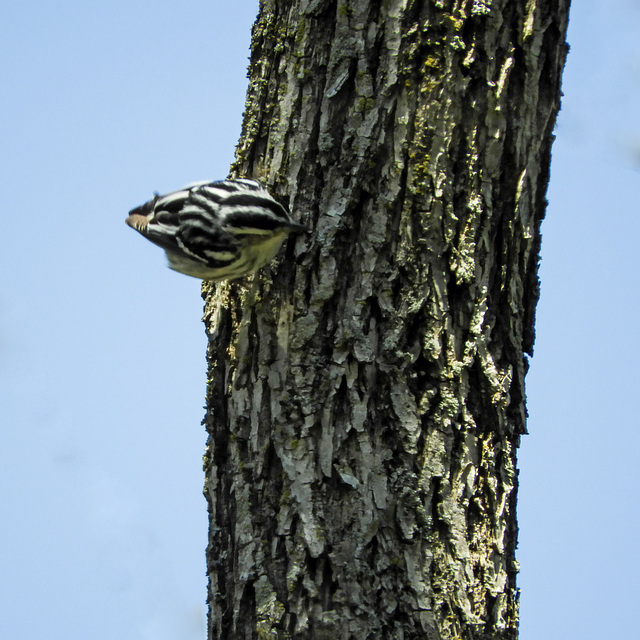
{"x":219,"y":230}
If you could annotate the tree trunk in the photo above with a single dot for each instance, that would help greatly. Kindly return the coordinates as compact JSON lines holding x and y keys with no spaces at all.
{"x":366,"y":392}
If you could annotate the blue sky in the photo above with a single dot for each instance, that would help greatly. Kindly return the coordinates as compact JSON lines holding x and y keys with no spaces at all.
{"x":102,"y":351}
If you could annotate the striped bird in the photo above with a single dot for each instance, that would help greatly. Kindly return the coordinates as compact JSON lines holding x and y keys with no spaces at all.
{"x":216,"y":230}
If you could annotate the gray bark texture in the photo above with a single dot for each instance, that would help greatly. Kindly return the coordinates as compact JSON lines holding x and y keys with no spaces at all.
{"x":366,"y":391}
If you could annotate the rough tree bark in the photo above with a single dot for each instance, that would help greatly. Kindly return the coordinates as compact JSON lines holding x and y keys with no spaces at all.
{"x":366,"y":392}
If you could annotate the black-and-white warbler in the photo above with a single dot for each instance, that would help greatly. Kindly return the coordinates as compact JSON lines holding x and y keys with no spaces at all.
{"x":216,"y":230}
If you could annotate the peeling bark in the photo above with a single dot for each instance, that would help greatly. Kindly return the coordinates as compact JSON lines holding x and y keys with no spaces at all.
{"x":366,"y":392}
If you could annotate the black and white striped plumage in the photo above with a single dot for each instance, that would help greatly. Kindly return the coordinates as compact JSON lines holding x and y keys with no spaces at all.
{"x":216,"y":230}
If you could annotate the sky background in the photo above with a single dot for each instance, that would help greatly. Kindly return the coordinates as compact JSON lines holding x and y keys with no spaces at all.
{"x":102,"y":349}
